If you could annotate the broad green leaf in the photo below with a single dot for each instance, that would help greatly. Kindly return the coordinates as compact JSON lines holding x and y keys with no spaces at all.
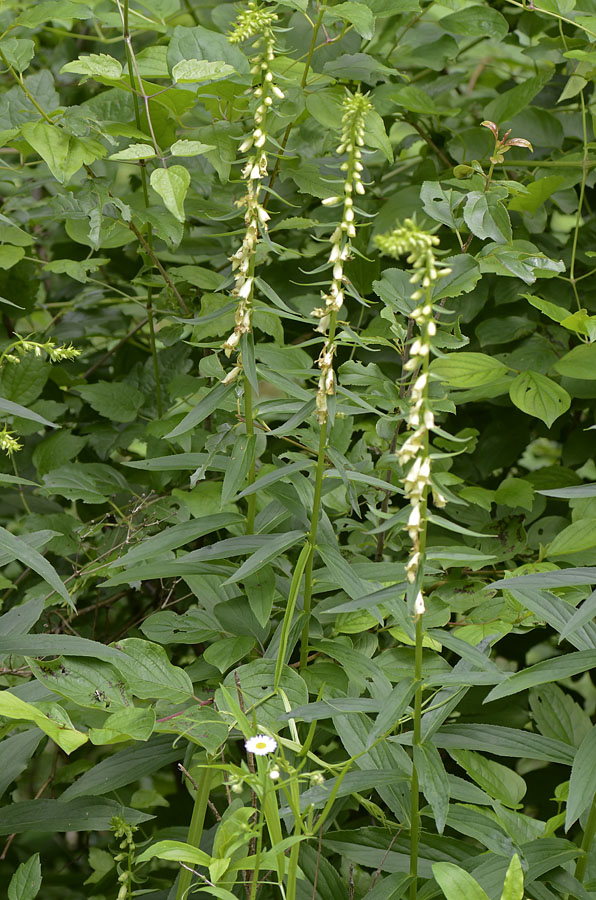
{"x":124,"y":767}
{"x":176,"y":851}
{"x":191,"y":148}
{"x":120,"y":404}
{"x":486,"y":217}
{"x":189,"y":71}
{"x":57,"y":815}
{"x":357,"y":14}
{"x":63,"y":153}
{"x":134,"y":723}
{"x":18,"y":549}
{"x":61,"y":732}
{"x":499,"y":781}
{"x":95,"y":64}
{"x":509,"y":103}
{"x":10,"y":256}
{"x":53,"y":9}
{"x":582,"y":785}
{"x":579,"y":362}
{"x":135,"y":152}
{"x":26,"y":881}
{"x":94,"y":683}
{"x":456,"y":883}
{"x":77,"y":269}
{"x":577,"y":537}
{"x":172,"y":184}
{"x":538,"y":396}
{"x":256,"y":680}
{"x":554,"y":312}
{"x":18,"y":52}
{"x":260,"y":591}
{"x":477,"y":21}
{"x":224,"y":653}
{"x":149,"y":673}
{"x":465,"y":370}
{"x":416,"y":100}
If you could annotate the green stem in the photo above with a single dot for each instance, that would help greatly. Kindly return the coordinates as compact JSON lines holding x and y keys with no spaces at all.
{"x":316,"y":514}
{"x":586,"y":844}
{"x":255,"y":875}
{"x":251,"y":500}
{"x":415,"y":805}
{"x":295,"y":851}
{"x":580,"y":203}
{"x":143,"y":170}
{"x":195,"y":829}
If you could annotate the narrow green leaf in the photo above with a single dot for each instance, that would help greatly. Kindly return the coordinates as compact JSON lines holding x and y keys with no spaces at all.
{"x":203,"y":409}
{"x":582,"y":785}
{"x":30,"y":557}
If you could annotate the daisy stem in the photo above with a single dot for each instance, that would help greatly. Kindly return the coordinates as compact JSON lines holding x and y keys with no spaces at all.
{"x":255,"y":875}
{"x":195,"y":829}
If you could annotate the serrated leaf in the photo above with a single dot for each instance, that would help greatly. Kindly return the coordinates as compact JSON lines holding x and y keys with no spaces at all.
{"x":191,"y":148}
{"x":120,"y":402}
{"x":539,"y":396}
{"x":18,"y":52}
{"x":26,"y":881}
{"x":95,"y":64}
{"x":191,"y":71}
{"x":63,"y":153}
{"x":357,"y":14}
{"x":134,"y":152}
{"x":172,"y":184}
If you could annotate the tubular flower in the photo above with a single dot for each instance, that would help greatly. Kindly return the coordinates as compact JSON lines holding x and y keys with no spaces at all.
{"x":254,"y":21}
{"x":355,"y":108}
{"x":414,"y":453}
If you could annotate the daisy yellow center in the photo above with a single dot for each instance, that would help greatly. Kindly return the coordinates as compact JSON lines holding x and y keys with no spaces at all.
{"x":260,"y":745}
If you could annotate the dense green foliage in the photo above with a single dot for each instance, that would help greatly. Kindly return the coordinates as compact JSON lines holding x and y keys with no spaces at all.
{"x":297,"y":373}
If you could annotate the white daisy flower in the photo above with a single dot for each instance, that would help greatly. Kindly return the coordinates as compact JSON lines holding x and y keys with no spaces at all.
{"x":260,"y":745}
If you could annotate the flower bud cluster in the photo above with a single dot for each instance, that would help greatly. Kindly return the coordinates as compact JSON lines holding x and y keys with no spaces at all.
{"x":414,"y":453}
{"x":254,"y":21}
{"x":355,"y":108}
{"x":8,"y":442}
{"x":24,"y":346}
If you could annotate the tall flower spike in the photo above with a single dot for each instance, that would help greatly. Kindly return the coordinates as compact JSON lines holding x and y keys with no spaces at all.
{"x":355,"y":108}
{"x":414,"y":453}
{"x":254,"y":21}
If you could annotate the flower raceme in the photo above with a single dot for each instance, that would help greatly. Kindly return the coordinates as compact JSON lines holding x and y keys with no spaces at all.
{"x":414,"y":453}
{"x":254,"y":21}
{"x":355,"y":109}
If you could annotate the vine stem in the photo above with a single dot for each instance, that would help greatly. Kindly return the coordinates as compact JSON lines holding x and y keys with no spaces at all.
{"x":195,"y":829}
{"x":586,"y":844}
{"x":316,"y":514}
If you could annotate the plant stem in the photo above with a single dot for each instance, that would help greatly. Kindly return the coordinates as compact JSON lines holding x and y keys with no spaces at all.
{"x":316,"y":514}
{"x":195,"y":829}
{"x":255,"y":875}
{"x":143,"y":170}
{"x":586,"y":844}
{"x":415,"y":805}
{"x":251,"y":500}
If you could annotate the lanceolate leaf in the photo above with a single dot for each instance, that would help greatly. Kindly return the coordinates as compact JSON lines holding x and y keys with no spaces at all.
{"x":582,"y":785}
{"x":34,"y":560}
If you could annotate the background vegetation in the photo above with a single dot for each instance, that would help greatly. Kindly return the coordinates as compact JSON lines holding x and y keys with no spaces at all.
{"x":368,"y":533}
